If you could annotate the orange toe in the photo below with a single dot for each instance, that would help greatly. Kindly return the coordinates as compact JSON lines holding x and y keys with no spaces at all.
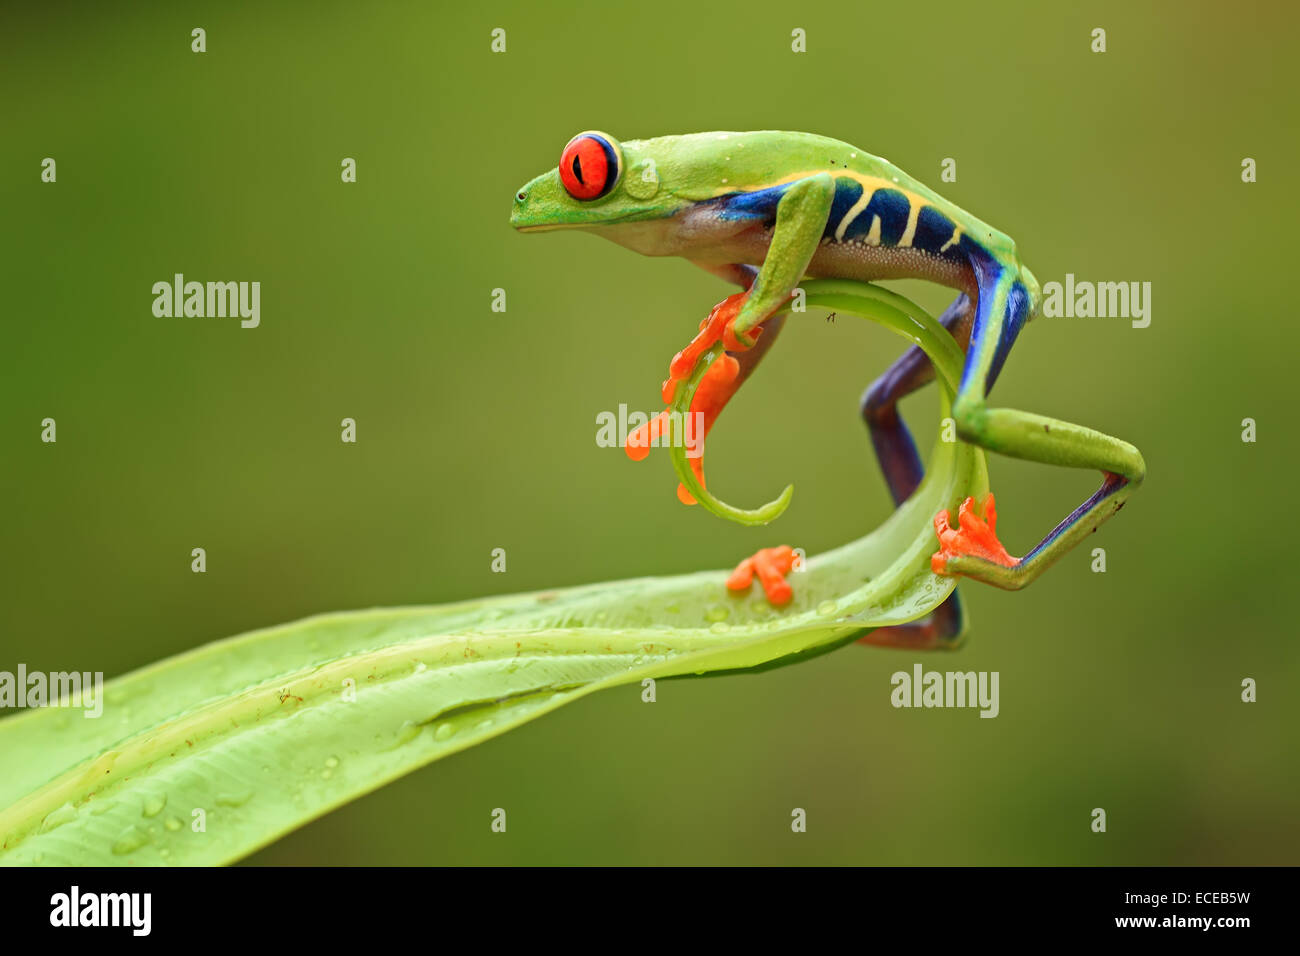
{"x":711,"y":330}
{"x":974,"y":537}
{"x":771,"y":565}
{"x":642,"y":438}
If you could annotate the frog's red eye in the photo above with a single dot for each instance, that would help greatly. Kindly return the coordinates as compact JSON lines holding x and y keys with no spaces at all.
{"x":589,"y":166}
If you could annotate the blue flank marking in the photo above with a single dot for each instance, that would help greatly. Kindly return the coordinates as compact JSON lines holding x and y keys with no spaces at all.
{"x":933,"y":229}
{"x":893,"y":209}
{"x":760,"y":204}
{"x":847,"y":192}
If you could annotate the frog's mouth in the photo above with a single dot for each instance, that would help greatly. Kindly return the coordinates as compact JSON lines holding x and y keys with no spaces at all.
{"x":521,"y":221}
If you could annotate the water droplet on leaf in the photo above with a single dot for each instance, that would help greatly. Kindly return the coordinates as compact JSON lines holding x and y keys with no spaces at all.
{"x":64,"y":814}
{"x":130,"y":841}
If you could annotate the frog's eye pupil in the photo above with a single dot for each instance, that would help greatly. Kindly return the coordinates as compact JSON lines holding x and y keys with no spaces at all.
{"x":589,"y":166}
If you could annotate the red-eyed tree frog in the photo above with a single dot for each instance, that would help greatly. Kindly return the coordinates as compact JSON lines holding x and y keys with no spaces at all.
{"x":764,"y":210}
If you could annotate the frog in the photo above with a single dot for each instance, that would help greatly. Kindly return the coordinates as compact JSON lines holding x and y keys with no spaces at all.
{"x":766,"y":210}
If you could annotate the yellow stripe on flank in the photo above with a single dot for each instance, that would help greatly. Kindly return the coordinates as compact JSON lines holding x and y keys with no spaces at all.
{"x":869,"y":183}
{"x":852,"y":214}
{"x":910,"y":231}
{"x":873,"y":237}
{"x":956,"y":237}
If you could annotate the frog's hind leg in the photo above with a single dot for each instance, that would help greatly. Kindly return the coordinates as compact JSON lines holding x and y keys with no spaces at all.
{"x":895,"y":449}
{"x":1005,"y":304}
{"x":901,"y":464}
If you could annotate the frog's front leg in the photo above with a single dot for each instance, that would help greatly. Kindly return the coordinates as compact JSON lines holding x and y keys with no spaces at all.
{"x":726,"y":376}
{"x":799,"y":213}
{"x":797,"y":230}
{"x":800,"y":223}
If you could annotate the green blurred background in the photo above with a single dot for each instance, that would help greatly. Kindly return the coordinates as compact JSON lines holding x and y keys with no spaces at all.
{"x":476,"y":429}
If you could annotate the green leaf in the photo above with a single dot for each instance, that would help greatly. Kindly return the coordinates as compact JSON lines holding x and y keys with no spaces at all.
{"x":258,"y":734}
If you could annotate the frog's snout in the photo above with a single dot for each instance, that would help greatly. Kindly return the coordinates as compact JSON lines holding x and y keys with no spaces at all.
{"x":541,"y":204}
{"x":516,"y":211}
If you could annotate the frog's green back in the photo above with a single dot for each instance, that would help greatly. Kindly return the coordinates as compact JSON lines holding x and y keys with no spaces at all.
{"x":742,"y":177}
{"x":702,"y":166}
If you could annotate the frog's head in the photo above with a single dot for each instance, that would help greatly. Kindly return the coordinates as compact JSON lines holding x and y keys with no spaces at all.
{"x":598,"y":182}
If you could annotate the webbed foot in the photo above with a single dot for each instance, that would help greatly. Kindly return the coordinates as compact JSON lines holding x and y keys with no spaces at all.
{"x":716,"y":388}
{"x":716,"y":326}
{"x":771,"y":565}
{"x":975,"y":537}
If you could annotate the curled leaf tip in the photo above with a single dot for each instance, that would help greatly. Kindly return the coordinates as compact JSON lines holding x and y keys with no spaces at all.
{"x":705,"y":392}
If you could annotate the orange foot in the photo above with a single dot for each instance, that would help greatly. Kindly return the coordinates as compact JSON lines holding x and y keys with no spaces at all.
{"x":771,"y":565}
{"x":717,"y":325}
{"x":718,"y":385}
{"x":976,"y":537}
{"x":716,"y":388}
